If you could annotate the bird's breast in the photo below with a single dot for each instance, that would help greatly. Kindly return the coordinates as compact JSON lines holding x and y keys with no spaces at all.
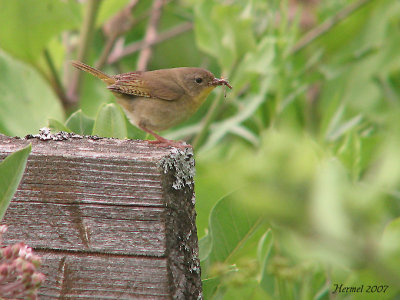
{"x":157,"y":114}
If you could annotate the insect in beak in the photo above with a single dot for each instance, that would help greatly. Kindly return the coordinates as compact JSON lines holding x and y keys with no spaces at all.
{"x":217,"y":81}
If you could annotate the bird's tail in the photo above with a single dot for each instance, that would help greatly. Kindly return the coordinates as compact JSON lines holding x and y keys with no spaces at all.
{"x":84,"y":67}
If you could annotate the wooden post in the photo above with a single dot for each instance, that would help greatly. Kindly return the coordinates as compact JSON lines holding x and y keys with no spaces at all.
{"x":111,"y":219}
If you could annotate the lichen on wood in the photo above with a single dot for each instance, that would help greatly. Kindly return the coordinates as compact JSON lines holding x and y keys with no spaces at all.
{"x":182,"y":163}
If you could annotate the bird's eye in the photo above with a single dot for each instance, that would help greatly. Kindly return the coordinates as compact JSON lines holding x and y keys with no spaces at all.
{"x":199,"y":80}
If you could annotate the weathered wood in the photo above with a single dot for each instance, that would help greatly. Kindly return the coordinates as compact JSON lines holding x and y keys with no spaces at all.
{"x":94,"y":276}
{"x":112,"y":219}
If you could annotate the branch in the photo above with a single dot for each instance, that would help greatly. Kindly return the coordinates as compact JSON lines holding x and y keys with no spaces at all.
{"x":206,"y":122}
{"x":55,"y":78}
{"x":85,"y":39}
{"x":119,"y":53}
{"x":115,"y":27}
{"x":323,"y":28}
{"x":151,"y":34}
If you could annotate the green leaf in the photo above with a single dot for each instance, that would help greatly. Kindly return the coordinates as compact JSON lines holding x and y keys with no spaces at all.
{"x":230,"y":228}
{"x":207,"y":34}
{"x":265,"y":246}
{"x":250,"y":290}
{"x":343,"y":128}
{"x":108,"y":9}
{"x":26,"y":100}
{"x":93,"y":95}
{"x":56,"y":126}
{"x":267,"y":281}
{"x":254,"y":63}
{"x":28,"y":25}
{"x":391,"y":238}
{"x":328,"y":208}
{"x":11,"y":171}
{"x":350,"y":153}
{"x":250,"y":104}
{"x":79,"y":123}
{"x":205,"y":246}
{"x":219,"y":36}
{"x":110,"y":122}
{"x":246,"y":134}
{"x":210,"y":285}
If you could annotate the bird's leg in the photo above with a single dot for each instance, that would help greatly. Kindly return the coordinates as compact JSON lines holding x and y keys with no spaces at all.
{"x":163,"y":142}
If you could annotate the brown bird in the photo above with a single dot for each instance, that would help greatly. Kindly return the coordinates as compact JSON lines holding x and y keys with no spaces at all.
{"x":157,"y":100}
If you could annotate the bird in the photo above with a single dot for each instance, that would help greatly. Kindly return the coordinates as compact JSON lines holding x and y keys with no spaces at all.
{"x":160,"y":99}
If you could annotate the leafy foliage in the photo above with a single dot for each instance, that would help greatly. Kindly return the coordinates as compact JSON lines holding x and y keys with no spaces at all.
{"x":27,"y":101}
{"x":11,"y":170}
{"x":110,"y":122}
{"x":41,"y":20}
{"x":298,"y":170}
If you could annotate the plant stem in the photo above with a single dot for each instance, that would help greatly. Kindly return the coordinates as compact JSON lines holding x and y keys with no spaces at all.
{"x":115,"y":27}
{"x":55,"y":79}
{"x":323,"y":28}
{"x":85,"y":40}
{"x":210,"y":116}
{"x":151,"y":34}
{"x":138,"y":46}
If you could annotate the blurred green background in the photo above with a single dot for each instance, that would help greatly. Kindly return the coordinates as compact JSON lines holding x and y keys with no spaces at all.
{"x":298,"y":168}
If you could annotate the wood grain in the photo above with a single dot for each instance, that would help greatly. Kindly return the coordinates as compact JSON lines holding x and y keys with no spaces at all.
{"x":108,"y":218}
{"x":94,"y":276}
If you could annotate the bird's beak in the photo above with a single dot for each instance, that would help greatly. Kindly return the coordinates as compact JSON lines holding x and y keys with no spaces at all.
{"x":217,"y":81}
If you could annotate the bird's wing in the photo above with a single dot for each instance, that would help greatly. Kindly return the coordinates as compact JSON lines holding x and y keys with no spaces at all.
{"x":138,"y":84}
{"x":130,"y":84}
